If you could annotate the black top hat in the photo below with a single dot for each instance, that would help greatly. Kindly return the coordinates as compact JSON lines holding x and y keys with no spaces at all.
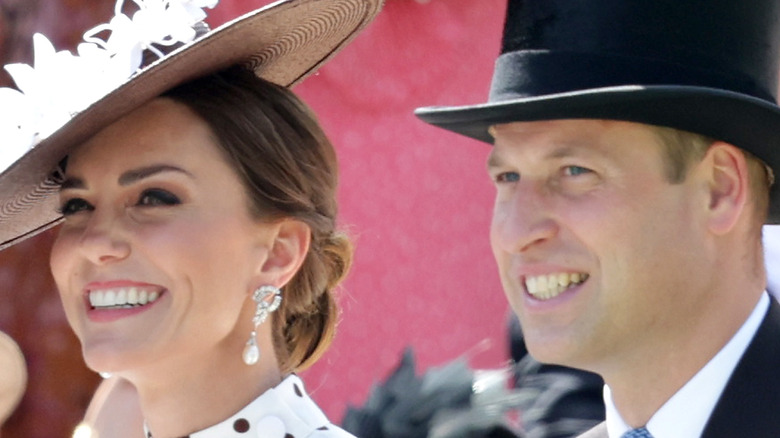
{"x":704,"y":66}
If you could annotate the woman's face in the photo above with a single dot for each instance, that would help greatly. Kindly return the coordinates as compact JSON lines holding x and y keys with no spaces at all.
{"x":158,"y":254}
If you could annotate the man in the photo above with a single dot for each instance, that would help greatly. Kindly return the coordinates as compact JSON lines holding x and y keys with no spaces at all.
{"x":634,"y":142}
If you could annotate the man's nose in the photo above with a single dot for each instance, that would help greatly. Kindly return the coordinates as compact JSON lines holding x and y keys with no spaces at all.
{"x":524,"y":220}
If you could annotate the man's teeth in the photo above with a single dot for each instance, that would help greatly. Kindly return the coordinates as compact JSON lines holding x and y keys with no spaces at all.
{"x":120,"y":298}
{"x":545,"y":287}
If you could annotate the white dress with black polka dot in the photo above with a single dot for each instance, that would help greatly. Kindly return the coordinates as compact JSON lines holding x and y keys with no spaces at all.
{"x":285,"y":411}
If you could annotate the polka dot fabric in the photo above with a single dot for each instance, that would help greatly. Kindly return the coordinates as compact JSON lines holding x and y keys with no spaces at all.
{"x":285,"y":411}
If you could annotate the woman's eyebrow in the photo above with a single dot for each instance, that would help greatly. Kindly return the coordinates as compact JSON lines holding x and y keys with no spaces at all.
{"x":72,"y":183}
{"x":129,"y":177}
{"x":134,"y":175}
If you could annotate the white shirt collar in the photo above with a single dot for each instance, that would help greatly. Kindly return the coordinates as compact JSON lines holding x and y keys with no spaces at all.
{"x":687,"y":411}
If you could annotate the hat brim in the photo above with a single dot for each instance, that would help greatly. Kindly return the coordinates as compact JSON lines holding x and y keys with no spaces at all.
{"x":282,"y":42}
{"x":750,"y":123}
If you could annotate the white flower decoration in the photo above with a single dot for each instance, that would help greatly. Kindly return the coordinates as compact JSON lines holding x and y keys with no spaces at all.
{"x":59,"y":85}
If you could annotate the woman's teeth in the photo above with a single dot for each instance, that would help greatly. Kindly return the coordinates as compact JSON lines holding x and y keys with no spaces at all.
{"x":122,"y":298}
{"x":545,"y":287}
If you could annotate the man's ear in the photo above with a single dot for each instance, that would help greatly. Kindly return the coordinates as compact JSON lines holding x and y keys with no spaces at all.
{"x":728,"y":186}
{"x":288,"y":250}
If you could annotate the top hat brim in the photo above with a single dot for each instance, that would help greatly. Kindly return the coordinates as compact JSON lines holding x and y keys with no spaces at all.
{"x":283,"y":43}
{"x":750,"y":123}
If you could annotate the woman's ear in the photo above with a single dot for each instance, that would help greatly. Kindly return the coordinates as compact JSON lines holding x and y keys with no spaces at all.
{"x":288,"y":250}
{"x":728,"y":186}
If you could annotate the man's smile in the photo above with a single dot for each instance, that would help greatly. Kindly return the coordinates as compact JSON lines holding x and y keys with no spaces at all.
{"x":545,"y":287}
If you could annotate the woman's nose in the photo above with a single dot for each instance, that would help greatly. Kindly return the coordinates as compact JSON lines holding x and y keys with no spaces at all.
{"x":103,"y":239}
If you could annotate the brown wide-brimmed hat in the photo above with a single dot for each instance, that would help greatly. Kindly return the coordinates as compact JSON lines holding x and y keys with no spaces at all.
{"x":282,"y":43}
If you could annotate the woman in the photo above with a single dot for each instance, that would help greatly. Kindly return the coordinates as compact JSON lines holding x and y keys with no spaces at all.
{"x":199,"y":251}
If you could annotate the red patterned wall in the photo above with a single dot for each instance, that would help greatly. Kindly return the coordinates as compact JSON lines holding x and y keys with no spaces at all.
{"x":416,"y":199}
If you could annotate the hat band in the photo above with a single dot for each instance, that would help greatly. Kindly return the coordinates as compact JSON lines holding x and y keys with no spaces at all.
{"x":534,"y":73}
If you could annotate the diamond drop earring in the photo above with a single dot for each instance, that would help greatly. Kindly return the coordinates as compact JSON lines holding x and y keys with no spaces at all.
{"x":268,"y":299}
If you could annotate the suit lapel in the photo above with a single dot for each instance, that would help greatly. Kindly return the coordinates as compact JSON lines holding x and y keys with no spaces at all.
{"x":750,"y":403}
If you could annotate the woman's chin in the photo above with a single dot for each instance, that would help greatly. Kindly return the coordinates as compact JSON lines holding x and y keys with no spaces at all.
{"x":108,"y":360}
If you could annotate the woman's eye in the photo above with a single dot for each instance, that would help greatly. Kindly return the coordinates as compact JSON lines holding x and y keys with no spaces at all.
{"x":576,"y":170}
{"x":157,"y":197}
{"x":507,"y":177}
{"x":73,"y":206}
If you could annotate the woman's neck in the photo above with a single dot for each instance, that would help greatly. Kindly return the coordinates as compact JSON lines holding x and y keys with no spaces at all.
{"x":182,"y":400}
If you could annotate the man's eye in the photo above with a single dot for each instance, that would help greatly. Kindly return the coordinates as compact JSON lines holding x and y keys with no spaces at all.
{"x":575,"y":170}
{"x":507,"y":177}
{"x":73,"y":206}
{"x":157,"y":197}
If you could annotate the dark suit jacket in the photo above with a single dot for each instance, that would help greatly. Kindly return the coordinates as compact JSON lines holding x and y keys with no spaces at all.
{"x":750,"y":403}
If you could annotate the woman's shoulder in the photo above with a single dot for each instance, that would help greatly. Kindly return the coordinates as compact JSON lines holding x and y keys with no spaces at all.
{"x":304,"y":410}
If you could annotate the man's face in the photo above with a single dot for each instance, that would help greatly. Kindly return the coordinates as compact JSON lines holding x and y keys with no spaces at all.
{"x":598,"y":253}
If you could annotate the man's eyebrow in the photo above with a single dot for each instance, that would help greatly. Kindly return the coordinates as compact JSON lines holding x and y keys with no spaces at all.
{"x":127,"y":178}
{"x":565,"y":151}
{"x":494,"y":160}
{"x":562,"y":150}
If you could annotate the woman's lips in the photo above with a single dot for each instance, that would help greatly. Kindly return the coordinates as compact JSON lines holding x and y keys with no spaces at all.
{"x":122,"y":297}
{"x":109,"y":301}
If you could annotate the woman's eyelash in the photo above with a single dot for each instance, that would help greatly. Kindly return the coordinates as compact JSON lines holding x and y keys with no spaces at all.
{"x":150,"y":198}
{"x":154,"y":197}
{"x":73,"y":206}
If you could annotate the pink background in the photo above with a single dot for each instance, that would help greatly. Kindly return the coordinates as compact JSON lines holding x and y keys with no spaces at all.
{"x":416,"y":199}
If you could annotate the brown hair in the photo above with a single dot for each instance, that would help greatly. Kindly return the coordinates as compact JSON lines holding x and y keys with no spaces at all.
{"x":683,"y":148}
{"x":289,"y":170}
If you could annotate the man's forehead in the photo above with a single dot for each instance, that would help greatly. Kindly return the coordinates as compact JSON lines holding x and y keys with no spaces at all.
{"x":553,"y":125}
{"x":562,"y":138}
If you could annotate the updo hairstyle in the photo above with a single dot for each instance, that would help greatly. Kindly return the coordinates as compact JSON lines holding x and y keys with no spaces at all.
{"x":289,"y":170}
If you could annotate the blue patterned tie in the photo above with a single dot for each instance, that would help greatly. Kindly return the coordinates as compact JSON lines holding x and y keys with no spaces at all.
{"x":637,"y":433}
